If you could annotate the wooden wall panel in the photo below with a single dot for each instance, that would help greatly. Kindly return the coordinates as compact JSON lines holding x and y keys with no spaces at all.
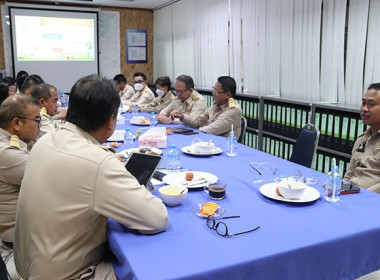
{"x":2,"y":57}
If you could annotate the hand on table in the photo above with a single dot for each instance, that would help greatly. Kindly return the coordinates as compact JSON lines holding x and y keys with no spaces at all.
{"x":176,"y":114}
{"x":164,"y":119}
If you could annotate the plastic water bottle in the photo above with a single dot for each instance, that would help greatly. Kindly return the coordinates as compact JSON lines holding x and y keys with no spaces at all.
{"x":153,"y":119}
{"x":63,"y":98}
{"x":135,"y":112}
{"x":333,"y":185}
{"x":128,"y":138}
{"x":174,"y":163}
{"x":120,"y":110}
{"x":232,"y":144}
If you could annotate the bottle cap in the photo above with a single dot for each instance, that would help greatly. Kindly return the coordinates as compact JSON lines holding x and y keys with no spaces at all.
{"x":153,"y":113}
{"x":173,"y":146}
{"x":128,"y":129}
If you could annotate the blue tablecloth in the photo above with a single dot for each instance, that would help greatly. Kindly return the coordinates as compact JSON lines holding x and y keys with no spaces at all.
{"x":318,"y":240}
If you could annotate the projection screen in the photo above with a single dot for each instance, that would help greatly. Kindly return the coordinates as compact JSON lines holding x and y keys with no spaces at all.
{"x":59,"y":45}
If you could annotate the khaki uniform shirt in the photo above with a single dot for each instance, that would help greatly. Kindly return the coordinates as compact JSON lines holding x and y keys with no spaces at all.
{"x":145,"y":96}
{"x":47,"y":123}
{"x":158,"y":104}
{"x":70,"y":188}
{"x":364,"y":168}
{"x":127,"y":92}
{"x":193,"y":106}
{"x":218,"y":119}
{"x":13,"y":157}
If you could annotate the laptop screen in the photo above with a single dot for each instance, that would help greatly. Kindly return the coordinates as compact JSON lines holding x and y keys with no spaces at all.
{"x":142,"y":166}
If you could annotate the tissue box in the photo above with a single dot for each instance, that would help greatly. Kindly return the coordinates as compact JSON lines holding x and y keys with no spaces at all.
{"x":155,"y":137}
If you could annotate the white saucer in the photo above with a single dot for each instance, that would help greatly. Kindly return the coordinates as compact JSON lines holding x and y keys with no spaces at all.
{"x":179,"y":178}
{"x":137,"y":150}
{"x":269,"y":190}
{"x":191,"y":150}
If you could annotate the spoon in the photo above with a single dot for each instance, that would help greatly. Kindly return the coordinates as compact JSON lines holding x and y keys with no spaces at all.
{"x":182,"y":191}
{"x":209,"y":142}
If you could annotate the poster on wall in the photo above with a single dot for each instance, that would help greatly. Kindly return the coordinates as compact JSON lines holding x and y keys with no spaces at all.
{"x":137,"y":46}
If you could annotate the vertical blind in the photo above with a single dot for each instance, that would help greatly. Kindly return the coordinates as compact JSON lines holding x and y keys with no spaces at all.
{"x":307,"y":50}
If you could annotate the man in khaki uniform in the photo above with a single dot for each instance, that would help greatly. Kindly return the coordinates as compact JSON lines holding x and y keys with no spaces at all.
{"x":165,"y":97}
{"x":188,"y":101}
{"x":19,"y":123}
{"x":47,"y":96}
{"x":143,"y":93}
{"x":364,"y":168}
{"x":218,"y":118}
{"x":125,"y":90}
{"x":72,"y":185}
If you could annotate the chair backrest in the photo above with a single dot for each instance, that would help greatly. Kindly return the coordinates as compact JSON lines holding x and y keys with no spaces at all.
{"x":306,"y":146}
{"x":243,"y":129}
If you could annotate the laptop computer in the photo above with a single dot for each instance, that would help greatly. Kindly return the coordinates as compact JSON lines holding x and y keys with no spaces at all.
{"x":142,"y":167}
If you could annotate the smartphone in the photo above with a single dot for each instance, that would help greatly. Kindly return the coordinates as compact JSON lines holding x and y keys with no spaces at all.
{"x":347,"y":188}
{"x":189,"y":133}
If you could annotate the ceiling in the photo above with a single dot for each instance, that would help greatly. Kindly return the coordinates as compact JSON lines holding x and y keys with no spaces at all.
{"x":141,"y":4}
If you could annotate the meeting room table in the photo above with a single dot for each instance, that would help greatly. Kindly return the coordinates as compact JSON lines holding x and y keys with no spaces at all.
{"x":296,"y":240}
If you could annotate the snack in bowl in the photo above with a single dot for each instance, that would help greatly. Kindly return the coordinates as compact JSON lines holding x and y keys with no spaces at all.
{"x":204,"y":147}
{"x":189,"y":176}
{"x":145,"y":121}
{"x":291,"y":189}
{"x":209,"y":208}
{"x":173,"y":195}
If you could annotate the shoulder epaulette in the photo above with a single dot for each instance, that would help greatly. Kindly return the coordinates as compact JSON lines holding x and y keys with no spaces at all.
{"x":106,"y":148}
{"x":195,"y":97}
{"x":15,"y":142}
{"x":43,"y":111}
{"x":231,"y":103}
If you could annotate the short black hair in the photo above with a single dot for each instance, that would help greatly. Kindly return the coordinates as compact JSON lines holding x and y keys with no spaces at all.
{"x":120,"y":78}
{"x":164,"y":82}
{"x":139,"y":74}
{"x":375,"y":86}
{"x":41,"y":91}
{"x":228,"y":84}
{"x":9,"y":80}
{"x":21,"y":73}
{"x":15,"y":106}
{"x":93,"y":100}
{"x":31,"y":81}
{"x":3,"y":92}
{"x":187,"y":80}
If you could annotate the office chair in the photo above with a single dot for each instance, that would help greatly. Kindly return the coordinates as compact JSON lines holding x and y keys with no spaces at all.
{"x":242,"y":129}
{"x":306,"y":146}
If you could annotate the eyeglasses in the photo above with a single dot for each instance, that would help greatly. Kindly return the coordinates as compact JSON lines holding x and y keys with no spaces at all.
{"x":264,"y":167}
{"x":216,"y":91}
{"x":37,"y":120}
{"x":138,"y":82}
{"x":175,"y":91}
{"x":221,"y":228}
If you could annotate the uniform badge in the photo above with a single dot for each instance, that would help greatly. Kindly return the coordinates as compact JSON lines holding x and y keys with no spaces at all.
{"x":15,"y":142}
{"x":361,"y":147}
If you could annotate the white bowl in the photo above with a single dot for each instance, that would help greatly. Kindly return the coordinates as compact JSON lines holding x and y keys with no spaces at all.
{"x":291,"y":189}
{"x":171,"y":195}
{"x":204,"y":147}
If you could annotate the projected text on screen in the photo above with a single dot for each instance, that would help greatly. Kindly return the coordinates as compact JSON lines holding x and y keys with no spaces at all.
{"x":54,"y":39}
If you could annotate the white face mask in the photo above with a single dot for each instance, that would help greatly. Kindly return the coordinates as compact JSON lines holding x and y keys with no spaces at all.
{"x":160,"y":92}
{"x":139,"y":86}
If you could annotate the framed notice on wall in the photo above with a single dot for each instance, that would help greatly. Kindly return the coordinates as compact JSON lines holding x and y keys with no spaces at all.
{"x":137,"y":46}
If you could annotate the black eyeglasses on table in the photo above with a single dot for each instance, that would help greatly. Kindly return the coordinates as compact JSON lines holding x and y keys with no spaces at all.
{"x":37,"y":120}
{"x":221,"y":228}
